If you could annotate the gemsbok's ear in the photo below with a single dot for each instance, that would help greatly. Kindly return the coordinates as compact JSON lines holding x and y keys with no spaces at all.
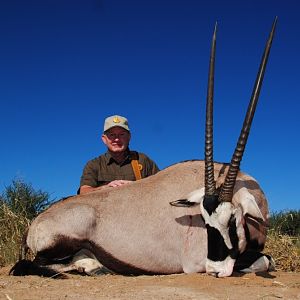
{"x":182,"y":203}
{"x":193,"y":199}
{"x":248,"y":204}
{"x":196,"y":196}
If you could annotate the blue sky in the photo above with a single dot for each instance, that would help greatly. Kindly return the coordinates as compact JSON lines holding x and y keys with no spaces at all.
{"x":66,"y":65}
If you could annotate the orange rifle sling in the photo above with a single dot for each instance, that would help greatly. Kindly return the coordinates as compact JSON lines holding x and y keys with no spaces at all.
{"x":136,"y":169}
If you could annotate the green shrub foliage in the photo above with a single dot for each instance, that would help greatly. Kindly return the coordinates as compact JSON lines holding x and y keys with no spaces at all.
{"x":23,"y":199}
{"x":286,"y":222}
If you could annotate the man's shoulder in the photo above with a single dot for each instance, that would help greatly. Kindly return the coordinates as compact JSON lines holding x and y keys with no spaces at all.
{"x":139,"y":155}
{"x":150,"y":166}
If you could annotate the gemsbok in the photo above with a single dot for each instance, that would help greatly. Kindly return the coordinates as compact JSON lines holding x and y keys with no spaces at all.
{"x":220,"y":225}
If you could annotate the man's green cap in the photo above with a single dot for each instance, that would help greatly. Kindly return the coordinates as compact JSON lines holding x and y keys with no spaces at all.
{"x":114,"y":121}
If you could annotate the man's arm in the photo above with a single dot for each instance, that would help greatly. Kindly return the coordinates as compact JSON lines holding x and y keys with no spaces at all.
{"x":87,"y":189}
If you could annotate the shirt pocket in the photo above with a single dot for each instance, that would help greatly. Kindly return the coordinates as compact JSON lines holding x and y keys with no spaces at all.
{"x":105,"y":177}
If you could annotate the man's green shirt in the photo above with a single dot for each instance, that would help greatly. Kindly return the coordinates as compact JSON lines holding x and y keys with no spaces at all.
{"x":104,"y":169}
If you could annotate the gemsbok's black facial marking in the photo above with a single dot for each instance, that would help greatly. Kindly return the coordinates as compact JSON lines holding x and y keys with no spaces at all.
{"x":210,"y":203}
{"x":217,"y":249}
{"x":234,"y":251}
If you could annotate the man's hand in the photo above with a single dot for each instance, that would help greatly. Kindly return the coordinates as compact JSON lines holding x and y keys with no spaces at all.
{"x":116,"y":183}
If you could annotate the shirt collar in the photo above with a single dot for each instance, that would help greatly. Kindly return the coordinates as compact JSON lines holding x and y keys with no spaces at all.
{"x":109,"y":159}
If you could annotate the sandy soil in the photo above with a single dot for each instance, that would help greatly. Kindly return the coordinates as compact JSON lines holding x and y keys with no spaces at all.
{"x":275,"y":285}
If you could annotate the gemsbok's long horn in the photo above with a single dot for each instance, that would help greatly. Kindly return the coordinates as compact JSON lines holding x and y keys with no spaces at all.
{"x":210,"y":185}
{"x":226,"y":192}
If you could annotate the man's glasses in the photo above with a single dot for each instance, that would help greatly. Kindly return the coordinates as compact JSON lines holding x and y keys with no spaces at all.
{"x":113,"y":136}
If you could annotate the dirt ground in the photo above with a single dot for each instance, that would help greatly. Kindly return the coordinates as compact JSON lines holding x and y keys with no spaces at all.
{"x":275,"y":285}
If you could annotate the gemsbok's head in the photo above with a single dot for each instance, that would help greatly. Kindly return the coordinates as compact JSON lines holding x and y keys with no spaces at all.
{"x":224,"y":221}
{"x":225,"y":204}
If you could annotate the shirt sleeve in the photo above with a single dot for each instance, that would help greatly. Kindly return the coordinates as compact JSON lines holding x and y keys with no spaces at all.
{"x":150,"y":167}
{"x":153,"y":167}
{"x":89,"y":175}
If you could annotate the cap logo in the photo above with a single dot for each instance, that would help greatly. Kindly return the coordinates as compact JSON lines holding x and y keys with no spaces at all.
{"x":116,"y":120}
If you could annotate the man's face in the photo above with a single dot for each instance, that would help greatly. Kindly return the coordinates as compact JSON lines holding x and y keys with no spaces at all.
{"x":116,"y":139}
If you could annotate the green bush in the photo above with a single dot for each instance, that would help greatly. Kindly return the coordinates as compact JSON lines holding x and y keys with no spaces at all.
{"x":286,"y":222}
{"x":23,"y":199}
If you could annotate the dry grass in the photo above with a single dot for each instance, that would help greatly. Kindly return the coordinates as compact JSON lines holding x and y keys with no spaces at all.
{"x":285,"y":250}
{"x":12,"y":227}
